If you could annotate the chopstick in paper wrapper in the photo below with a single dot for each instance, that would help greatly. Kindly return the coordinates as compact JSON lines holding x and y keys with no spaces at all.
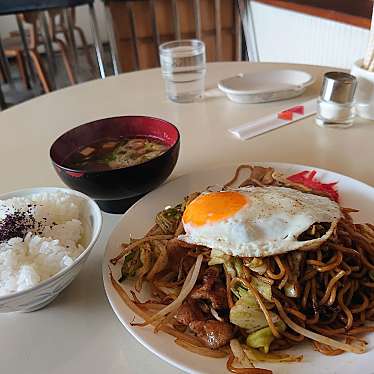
{"x":275,"y":120}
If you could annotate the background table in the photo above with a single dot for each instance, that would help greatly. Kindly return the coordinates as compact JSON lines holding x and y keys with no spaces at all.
{"x":78,"y":332}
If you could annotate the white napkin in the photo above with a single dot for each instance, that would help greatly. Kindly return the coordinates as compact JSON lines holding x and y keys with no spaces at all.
{"x":275,"y":120}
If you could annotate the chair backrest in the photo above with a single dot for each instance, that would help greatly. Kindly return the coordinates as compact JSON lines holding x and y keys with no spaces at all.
{"x":57,"y":18}
{"x":140,"y":26}
{"x":31,"y":18}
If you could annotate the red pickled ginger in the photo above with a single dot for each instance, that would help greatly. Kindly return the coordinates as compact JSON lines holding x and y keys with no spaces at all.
{"x":306,"y":178}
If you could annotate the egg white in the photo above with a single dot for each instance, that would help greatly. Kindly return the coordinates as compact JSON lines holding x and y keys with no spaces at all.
{"x":268,"y":224}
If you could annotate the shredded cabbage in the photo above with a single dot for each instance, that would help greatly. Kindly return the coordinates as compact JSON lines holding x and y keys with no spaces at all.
{"x":256,"y":355}
{"x":262,"y":287}
{"x":216,"y":257}
{"x":246,"y":313}
{"x":230,"y":269}
{"x":247,"y":317}
{"x":256,"y":264}
{"x":238,"y":266}
{"x":234,"y":265}
{"x":263,"y":338}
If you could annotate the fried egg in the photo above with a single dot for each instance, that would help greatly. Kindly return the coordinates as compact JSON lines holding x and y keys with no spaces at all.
{"x":257,"y":221}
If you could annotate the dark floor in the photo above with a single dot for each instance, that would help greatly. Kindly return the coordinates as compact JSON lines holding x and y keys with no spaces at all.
{"x":83,"y":72}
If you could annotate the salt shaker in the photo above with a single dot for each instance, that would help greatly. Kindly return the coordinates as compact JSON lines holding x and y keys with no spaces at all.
{"x":335,"y":106}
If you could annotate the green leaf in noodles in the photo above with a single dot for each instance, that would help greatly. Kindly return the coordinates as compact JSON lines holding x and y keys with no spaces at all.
{"x":216,"y":257}
{"x":255,"y":264}
{"x":264,"y":337}
{"x":246,"y":313}
{"x":255,"y":355}
{"x":131,"y":264}
{"x":248,"y":317}
{"x":262,"y":287}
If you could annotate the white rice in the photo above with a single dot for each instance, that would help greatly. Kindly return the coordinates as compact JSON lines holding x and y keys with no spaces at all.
{"x":50,"y":246}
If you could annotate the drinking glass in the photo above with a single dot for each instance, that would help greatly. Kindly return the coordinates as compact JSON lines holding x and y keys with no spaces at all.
{"x":183,"y":68}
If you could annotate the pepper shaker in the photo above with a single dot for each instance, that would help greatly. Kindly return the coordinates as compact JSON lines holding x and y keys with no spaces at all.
{"x":335,"y":106}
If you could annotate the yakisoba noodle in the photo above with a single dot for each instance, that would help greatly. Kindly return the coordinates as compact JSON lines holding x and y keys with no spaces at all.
{"x":325,"y":294}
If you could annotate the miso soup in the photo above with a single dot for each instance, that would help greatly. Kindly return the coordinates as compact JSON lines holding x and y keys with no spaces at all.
{"x":109,"y":153}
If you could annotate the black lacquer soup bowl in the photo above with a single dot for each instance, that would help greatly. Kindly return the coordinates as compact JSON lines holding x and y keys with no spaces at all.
{"x":117,"y":189}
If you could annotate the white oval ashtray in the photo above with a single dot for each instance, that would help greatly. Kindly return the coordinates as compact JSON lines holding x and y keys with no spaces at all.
{"x":265,"y":86}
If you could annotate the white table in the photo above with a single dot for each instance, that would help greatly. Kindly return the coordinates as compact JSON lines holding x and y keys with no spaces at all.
{"x":78,"y":332}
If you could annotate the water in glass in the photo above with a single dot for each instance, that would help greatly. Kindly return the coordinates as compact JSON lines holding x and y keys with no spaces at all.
{"x":183,"y":68}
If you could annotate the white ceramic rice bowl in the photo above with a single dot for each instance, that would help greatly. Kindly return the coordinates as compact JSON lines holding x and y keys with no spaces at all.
{"x":46,"y":291}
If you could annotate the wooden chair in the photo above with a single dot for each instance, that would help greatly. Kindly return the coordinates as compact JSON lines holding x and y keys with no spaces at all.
{"x":36,"y":41}
{"x":17,"y":7}
{"x":13,"y":48}
{"x":5,"y":74}
{"x":59,"y":24}
{"x":136,"y":28}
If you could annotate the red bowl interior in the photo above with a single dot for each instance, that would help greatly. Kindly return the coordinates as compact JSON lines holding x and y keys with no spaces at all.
{"x":125,"y":126}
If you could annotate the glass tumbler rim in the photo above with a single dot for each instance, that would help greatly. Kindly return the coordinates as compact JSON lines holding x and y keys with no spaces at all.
{"x":166,"y":48}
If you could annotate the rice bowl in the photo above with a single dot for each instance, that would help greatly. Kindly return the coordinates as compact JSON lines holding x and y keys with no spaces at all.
{"x":51,"y":234}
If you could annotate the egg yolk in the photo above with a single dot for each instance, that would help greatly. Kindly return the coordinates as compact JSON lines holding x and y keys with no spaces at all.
{"x":213,"y":207}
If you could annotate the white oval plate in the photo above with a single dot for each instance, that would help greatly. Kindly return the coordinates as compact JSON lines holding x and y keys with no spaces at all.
{"x":261,"y":87}
{"x":140,"y":217}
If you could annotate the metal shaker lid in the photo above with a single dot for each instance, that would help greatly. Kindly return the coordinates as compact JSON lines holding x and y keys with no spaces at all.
{"x":338,"y":87}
